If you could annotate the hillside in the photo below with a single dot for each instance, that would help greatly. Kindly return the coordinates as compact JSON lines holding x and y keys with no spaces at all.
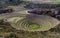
{"x":29,"y":22}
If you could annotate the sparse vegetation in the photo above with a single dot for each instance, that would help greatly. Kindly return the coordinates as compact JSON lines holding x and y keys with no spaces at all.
{"x":21,"y":24}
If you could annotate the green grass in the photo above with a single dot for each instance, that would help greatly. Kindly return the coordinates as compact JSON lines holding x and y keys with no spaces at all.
{"x":23,"y":34}
{"x":56,"y":2}
{"x":33,"y":26}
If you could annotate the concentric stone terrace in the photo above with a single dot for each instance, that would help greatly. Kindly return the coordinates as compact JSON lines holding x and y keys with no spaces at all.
{"x":33,"y":22}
